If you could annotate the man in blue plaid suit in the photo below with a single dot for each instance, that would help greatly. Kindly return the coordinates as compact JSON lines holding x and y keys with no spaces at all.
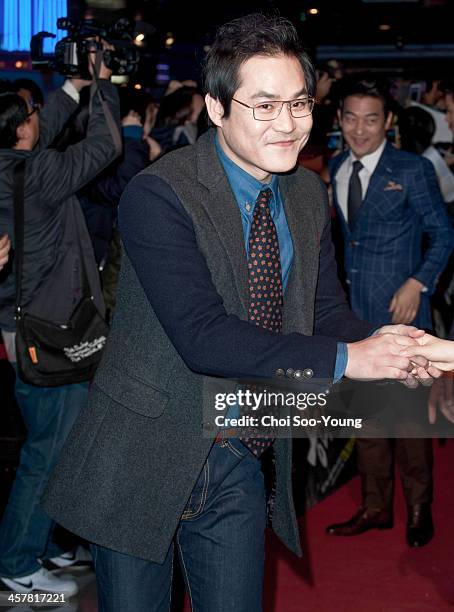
{"x":387,"y":201}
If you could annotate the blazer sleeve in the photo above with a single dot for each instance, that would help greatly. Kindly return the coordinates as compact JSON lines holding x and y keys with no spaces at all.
{"x":160,"y":242}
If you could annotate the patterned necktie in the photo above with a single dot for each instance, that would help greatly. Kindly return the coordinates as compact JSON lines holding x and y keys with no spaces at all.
{"x":265,"y":284}
{"x":355,"y":194}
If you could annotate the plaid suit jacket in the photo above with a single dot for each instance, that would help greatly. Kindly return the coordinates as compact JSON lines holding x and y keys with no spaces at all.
{"x":403,"y":205}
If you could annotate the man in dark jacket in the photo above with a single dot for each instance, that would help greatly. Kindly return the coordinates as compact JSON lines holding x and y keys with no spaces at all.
{"x":51,"y":180}
{"x":143,"y":472}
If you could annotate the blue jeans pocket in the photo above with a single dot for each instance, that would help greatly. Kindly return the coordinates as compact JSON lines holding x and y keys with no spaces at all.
{"x":236,"y":447}
{"x":197,"y":499}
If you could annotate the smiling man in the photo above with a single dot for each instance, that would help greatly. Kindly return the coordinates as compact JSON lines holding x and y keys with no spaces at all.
{"x":228,"y":273}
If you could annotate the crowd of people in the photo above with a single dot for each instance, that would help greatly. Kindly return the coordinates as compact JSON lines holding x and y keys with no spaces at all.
{"x":205,"y":240}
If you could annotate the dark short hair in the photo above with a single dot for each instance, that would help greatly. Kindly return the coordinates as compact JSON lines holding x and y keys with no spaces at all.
{"x":417,"y":128}
{"x":246,"y":37}
{"x":13,"y":113}
{"x":175,"y":108}
{"x":32,"y":87}
{"x":366,"y":86}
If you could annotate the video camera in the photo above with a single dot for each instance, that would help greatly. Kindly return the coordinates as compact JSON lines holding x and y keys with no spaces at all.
{"x":71,"y":52}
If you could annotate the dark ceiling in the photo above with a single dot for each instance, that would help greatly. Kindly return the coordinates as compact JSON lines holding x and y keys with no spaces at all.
{"x":411,"y":37}
{"x":338,"y":22}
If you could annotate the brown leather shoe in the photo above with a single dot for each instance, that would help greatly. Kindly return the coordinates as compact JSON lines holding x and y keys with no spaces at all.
{"x":362,"y":521}
{"x":420,"y":527}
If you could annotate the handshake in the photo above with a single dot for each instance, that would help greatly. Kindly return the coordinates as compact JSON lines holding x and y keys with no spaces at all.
{"x":400,"y":352}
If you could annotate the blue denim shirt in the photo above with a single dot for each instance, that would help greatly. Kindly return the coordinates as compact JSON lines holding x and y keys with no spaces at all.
{"x":246,"y":189}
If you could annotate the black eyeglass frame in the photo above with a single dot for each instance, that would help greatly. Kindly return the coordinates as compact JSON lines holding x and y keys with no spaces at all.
{"x":35,"y":109}
{"x":309,"y":99}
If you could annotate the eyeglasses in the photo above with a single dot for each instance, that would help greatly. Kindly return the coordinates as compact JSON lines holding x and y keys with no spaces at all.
{"x":35,"y":109}
{"x":267,"y":111}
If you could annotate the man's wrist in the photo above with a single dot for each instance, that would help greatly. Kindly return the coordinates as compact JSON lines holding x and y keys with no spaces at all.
{"x":418,"y":285}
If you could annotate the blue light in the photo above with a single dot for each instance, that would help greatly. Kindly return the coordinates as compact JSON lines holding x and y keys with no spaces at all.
{"x":23,"y":18}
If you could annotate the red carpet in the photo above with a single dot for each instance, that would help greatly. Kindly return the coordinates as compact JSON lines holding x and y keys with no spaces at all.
{"x":374,"y":572}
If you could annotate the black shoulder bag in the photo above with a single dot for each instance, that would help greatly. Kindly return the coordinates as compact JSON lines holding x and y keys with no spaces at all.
{"x":51,"y":354}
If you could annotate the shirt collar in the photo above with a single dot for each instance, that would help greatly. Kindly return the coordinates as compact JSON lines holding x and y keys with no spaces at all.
{"x":245,"y":187}
{"x":371,"y":160}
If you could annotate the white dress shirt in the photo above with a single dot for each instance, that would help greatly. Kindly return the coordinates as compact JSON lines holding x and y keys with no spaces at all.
{"x":342,"y":177}
{"x":72,"y":92}
{"x":442,"y":130}
{"x":444,"y":174}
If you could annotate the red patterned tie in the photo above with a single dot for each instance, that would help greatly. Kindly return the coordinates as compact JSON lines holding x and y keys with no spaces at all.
{"x":265,"y":284}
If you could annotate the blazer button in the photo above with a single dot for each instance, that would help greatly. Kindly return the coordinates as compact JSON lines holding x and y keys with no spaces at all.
{"x":289,"y":373}
{"x":308,"y":373}
{"x":279,"y":372}
{"x":298,"y":374}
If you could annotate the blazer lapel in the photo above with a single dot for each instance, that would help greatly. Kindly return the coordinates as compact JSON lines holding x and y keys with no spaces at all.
{"x":380,"y":177}
{"x":223,"y":211}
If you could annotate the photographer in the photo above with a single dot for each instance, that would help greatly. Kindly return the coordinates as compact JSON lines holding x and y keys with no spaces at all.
{"x":50,"y":253}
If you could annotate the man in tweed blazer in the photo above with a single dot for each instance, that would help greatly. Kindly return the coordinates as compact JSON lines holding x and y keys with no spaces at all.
{"x":390,"y":278}
{"x":139,"y":477}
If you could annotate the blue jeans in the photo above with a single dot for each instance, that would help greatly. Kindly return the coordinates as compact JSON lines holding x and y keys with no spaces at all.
{"x":219,"y":542}
{"x":25,"y":529}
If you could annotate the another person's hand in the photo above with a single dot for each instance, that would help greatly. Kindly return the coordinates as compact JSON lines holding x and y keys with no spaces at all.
{"x":449,"y":158}
{"x":5,"y":246}
{"x":324,"y":82}
{"x":154,"y":147}
{"x":172,"y":86}
{"x":405,"y":302}
{"x":150,"y":118}
{"x":439,"y":352}
{"x":441,"y":398}
{"x":104,"y":72}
